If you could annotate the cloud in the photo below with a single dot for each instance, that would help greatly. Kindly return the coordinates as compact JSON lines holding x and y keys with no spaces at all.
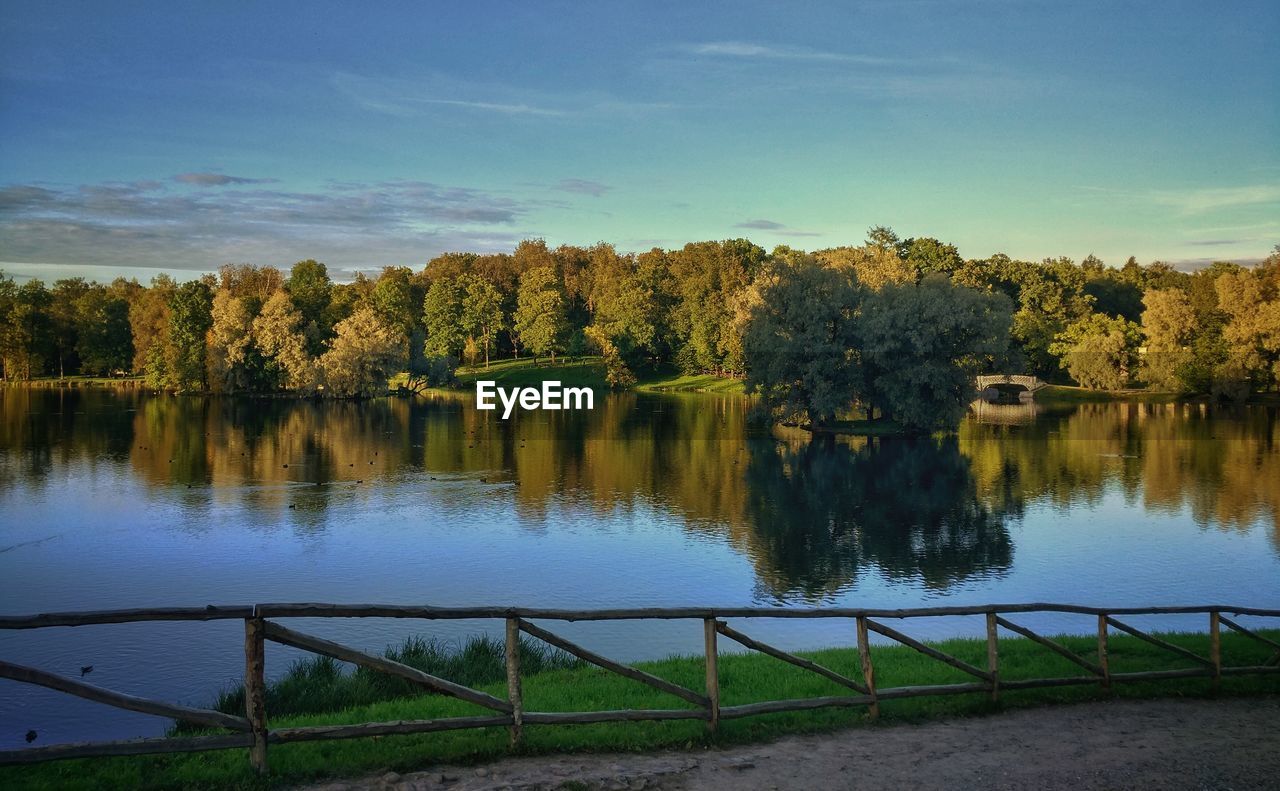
{"x":748,"y":50}
{"x":582,"y":187}
{"x":414,"y":97}
{"x":216,"y":180}
{"x":770,"y":225}
{"x":420,"y":95}
{"x":1193,"y":264}
{"x":761,"y":225}
{"x":1200,"y":200}
{"x":150,"y":225}
{"x":1217,"y":242}
{"x":1207,"y":199}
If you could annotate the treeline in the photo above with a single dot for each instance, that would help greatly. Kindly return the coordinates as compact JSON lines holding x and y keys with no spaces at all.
{"x":258,"y":329}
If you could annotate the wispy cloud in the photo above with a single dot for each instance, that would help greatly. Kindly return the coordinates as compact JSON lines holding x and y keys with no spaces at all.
{"x":1207,"y":199}
{"x":1217,"y":242}
{"x":413,"y":97}
{"x":149,"y":224}
{"x":582,"y":187}
{"x":1199,"y":200}
{"x":745,"y":49}
{"x":761,"y":225}
{"x":771,"y":225}
{"x":216,"y":179}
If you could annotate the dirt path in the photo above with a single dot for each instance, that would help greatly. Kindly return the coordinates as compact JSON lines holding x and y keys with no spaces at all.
{"x":1166,"y":744}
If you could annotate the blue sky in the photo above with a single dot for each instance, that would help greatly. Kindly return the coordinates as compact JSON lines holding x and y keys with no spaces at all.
{"x":139,"y":137}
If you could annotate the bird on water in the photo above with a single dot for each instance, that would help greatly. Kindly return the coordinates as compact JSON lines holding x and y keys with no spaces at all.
{"x":85,"y":670}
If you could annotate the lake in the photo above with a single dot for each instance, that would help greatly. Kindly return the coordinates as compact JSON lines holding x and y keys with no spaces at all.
{"x":115,"y":499}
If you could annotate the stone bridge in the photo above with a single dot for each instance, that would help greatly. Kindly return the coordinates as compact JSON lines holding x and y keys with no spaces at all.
{"x":1028,"y":383}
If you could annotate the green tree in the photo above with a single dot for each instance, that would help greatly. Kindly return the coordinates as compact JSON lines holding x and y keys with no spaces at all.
{"x":928,"y":256}
{"x":1169,"y":323}
{"x":616,"y":372}
{"x":190,"y":316}
{"x":800,"y":339}
{"x":311,"y":290}
{"x":364,"y":354}
{"x":1251,"y":302}
{"x":396,"y":298}
{"x":104,"y":339}
{"x":481,"y":316}
{"x":541,"y":319}
{"x":442,"y":318}
{"x":149,"y":321}
{"x":922,"y":346}
{"x":1099,"y":352}
{"x":66,"y":320}
{"x":231,"y":353}
{"x":278,"y":333}
{"x":27,"y":338}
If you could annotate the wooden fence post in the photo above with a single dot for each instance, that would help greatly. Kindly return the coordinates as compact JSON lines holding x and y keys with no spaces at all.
{"x":1102,"y":652}
{"x":868,"y":671}
{"x":713,"y":673}
{"x":993,"y":656}
{"x":1215,"y":649}
{"x":514,"y":694}
{"x":255,"y":691}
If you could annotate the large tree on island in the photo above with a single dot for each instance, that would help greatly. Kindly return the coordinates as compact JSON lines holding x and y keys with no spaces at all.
{"x":800,"y":338}
{"x":923,"y":344}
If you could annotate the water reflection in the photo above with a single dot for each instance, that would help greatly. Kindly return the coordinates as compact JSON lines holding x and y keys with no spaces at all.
{"x":821,"y":510}
{"x":124,"y":499}
{"x":811,"y":514}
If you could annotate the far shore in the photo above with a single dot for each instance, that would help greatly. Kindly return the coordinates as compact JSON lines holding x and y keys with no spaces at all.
{"x":589,"y":372}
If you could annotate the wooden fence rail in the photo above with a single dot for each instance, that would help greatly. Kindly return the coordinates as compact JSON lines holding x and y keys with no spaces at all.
{"x":253,"y":732}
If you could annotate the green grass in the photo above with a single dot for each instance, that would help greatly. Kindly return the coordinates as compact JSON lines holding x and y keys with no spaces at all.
{"x":675,"y":382}
{"x":77,"y":381}
{"x":585,"y":372}
{"x":744,"y":678}
{"x":578,"y":372}
{"x":1064,"y":394}
{"x":321,"y":684}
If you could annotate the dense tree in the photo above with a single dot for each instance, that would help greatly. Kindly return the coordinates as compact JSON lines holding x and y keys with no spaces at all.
{"x":922,"y":346}
{"x":481,"y":317}
{"x":27,"y":339}
{"x":104,"y":339}
{"x":231,"y":353}
{"x":929,"y":256}
{"x":149,"y":319}
{"x":65,"y":322}
{"x":190,"y":316}
{"x":800,"y":340}
{"x":541,"y":320}
{"x":278,"y":334}
{"x":1169,"y":323}
{"x":311,"y":290}
{"x":1251,"y":301}
{"x":442,"y":318}
{"x":1099,"y":352}
{"x":365,"y":353}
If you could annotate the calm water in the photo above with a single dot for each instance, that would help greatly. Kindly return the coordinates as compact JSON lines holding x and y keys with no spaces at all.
{"x":129,"y":500}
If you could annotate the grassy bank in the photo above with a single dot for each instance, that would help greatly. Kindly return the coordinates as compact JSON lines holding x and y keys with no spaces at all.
{"x":589,"y":372}
{"x":744,"y":678}
{"x":1064,"y":394}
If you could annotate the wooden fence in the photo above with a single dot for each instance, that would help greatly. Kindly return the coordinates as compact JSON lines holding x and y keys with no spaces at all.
{"x":261,"y":626}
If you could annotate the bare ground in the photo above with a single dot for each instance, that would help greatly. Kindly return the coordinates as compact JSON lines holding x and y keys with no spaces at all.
{"x":1165,"y":744}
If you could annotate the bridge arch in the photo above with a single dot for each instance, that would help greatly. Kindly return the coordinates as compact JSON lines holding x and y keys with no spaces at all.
{"x":1026,"y":381}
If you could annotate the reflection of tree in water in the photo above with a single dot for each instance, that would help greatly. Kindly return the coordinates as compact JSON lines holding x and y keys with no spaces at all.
{"x":821,"y":510}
